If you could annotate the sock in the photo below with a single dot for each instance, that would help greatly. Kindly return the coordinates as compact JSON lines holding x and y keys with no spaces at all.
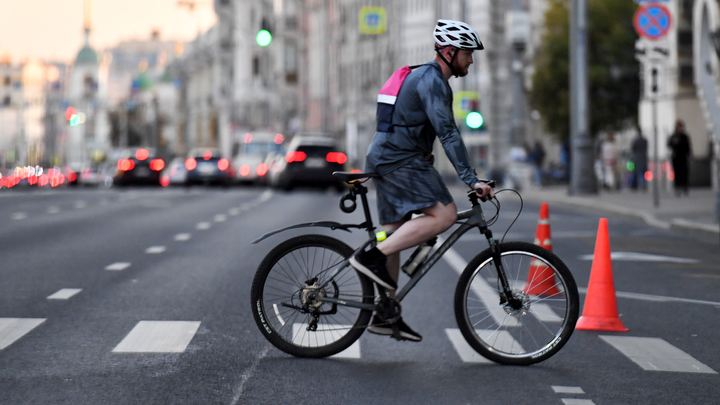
{"x":374,"y":254}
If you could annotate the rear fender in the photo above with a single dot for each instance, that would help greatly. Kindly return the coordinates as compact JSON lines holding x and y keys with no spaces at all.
{"x":325,"y":224}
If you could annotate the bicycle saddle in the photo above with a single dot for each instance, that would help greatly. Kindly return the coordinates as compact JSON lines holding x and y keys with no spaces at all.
{"x":350,"y":176}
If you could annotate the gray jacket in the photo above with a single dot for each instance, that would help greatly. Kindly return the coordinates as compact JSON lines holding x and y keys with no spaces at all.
{"x":423,"y":111}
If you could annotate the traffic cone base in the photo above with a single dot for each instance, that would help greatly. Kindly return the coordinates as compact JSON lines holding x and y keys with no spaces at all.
{"x":600,"y":310}
{"x":541,"y":279}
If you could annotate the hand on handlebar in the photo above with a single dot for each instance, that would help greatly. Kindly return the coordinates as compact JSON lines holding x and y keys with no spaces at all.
{"x":484,"y":190}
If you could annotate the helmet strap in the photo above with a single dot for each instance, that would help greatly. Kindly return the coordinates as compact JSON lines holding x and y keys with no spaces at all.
{"x":449,"y":64}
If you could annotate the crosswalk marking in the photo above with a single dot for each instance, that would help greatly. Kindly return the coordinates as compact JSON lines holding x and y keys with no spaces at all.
{"x":642,"y":257}
{"x":203,"y":225}
{"x":64,"y":294}
{"x":655,"y":354}
{"x":575,"y":401}
{"x":118,"y":266}
{"x":155,"y":249}
{"x":12,"y":329}
{"x":544,"y":313}
{"x":182,"y":237}
{"x":463,"y":349}
{"x":158,"y":337}
{"x":320,"y":338}
{"x":561,"y":389}
{"x":502,"y":340}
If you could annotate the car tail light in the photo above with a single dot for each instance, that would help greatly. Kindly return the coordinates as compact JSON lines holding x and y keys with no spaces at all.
{"x":142,"y":154}
{"x":336,"y":157}
{"x":123,"y":165}
{"x":190,"y":164}
{"x":223,"y":164}
{"x":297,"y":156}
{"x":262,"y":169}
{"x":86,"y":174}
{"x":244,"y":170}
{"x":164,"y":181}
{"x":157,"y":164}
{"x":72,"y":176}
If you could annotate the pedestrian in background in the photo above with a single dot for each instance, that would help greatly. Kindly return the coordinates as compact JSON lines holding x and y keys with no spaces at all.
{"x":608,"y":153}
{"x":679,"y":143}
{"x":537,"y":157}
{"x":639,"y":149}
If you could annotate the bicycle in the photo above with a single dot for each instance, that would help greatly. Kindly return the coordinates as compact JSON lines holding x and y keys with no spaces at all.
{"x":515,"y":303}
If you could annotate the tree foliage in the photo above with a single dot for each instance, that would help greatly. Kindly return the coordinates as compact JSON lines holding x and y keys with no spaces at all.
{"x":613,"y":71}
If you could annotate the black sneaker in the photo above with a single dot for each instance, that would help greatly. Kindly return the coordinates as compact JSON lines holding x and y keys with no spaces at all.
{"x":378,"y":327}
{"x":375,"y":269}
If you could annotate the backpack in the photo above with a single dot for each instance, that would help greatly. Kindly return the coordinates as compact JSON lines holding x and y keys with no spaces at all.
{"x":388,"y":96}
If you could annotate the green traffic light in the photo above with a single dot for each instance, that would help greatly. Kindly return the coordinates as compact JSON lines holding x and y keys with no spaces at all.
{"x":474,"y":120}
{"x":263,"y":38}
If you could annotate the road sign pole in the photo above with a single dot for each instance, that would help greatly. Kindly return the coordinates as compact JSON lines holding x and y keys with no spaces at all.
{"x":657,"y":172}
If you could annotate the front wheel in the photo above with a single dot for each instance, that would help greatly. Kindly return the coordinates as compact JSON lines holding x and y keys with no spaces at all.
{"x":283,"y":291}
{"x":528,"y":327}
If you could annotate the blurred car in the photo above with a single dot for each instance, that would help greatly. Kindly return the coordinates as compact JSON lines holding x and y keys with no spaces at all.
{"x":207,"y":166}
{"x":138,"y":167}
{"x":174,"y":173}
{"x":310,"y":161}
{"x":94,"y":174}
{"x":250,"y":161}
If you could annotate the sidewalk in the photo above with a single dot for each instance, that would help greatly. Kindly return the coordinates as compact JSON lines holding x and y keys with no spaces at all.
{"x":695,"y":213}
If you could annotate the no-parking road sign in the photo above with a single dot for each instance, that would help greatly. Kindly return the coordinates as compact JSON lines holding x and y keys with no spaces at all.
{"x":652,"y":21}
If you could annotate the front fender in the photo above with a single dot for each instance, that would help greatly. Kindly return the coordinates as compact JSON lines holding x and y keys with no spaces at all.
{"x":326,"y":224}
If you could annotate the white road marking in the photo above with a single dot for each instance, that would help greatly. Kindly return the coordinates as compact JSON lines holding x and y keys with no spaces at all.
{"x":64,"y":294}
{"x":80,"y":204}
{"x":220,"y":218}
{"x":656,"y":298}
{"x":655,"y":354}
{"x":561,"y":389}
{"x":155,"y":249}
{"x":642,"y":257}
{"x":320,"y":337}
{"x":19,"y":215}
{"x":12,"y":329}
{"x":53,"y":210}
{"x":182,"y":237}
{"x":203,"y":225}
{"x":234,"y":211}
{"x":544,"y":313}
{"x":158,"y":337}
{"x":464,"y":350}
{"x":575,"y":401}
{"x":118,"y":266}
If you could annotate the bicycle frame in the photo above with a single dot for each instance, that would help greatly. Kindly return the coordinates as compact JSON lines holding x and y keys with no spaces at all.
{"x":474,"y":218}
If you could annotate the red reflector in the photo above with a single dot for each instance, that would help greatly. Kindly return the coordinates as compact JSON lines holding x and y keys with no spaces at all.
{"x":244,"y":170}
{"x":157,"y":165}
{"x":142,"y":154}
{"x":336,"y":157}
{"x":295,"y":156}
{"x":190,"y":164}
{"x":262,"y":169}
{"x":223,"y":164}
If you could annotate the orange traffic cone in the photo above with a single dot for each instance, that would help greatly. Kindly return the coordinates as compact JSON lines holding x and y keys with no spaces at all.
{"x":600,"y":311}
{"x":541,"y":280}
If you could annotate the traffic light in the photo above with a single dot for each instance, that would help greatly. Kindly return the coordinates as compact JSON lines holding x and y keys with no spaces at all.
{"x":474,"y":120}
{"x":264,"y":36}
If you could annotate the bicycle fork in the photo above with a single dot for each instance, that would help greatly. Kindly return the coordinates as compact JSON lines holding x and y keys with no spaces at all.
{"x":506,"y":296}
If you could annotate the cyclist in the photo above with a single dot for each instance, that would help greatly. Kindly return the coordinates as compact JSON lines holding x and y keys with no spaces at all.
{"x":402,"y":156}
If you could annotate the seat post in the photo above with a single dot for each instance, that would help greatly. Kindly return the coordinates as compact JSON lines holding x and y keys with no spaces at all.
{"x":362,"y":190}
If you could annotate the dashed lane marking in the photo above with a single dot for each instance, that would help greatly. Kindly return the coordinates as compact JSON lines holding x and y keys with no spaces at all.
{"x":575,"y":401}
{"x":655,"y":354}
{"x":80,"y":204}
{"x":158,"y":337}
{"x":64,"y":293}
{"x":234,"y":211}
{"x":656,"y":298}
{"x":118,"y":266}
{"x":155,"y":249}
{"x":53,"y":210}
{"x":642,"y":257}
{"x":182,"y":237}
{"x":203,"y":226}
{"x":19,"y":215}
{"x":220,"y":218}
{"x":12,"y":329}
{"x":561,"y":389}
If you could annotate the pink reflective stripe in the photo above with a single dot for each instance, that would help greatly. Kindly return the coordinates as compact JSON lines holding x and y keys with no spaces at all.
{"x":393,"y":84}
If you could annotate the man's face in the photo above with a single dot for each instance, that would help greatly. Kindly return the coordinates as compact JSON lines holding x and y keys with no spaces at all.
{"x":462,"y":61}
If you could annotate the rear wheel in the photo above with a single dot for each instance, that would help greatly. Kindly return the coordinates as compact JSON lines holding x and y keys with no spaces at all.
{"x":283,"y":291}
{"x":535,"y":322}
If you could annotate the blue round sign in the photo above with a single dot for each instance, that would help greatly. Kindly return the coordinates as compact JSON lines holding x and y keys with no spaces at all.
{"x":652,"y":21}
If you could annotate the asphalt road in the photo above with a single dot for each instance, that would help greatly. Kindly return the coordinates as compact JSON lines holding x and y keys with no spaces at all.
{"x":169,"y":270}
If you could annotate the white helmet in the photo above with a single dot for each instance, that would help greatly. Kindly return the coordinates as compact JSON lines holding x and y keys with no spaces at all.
{"x":457,"y":34}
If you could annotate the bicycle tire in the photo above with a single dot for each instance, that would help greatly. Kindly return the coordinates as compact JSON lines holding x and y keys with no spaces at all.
{"x":282,"y":280}
{"x":517,"y":336}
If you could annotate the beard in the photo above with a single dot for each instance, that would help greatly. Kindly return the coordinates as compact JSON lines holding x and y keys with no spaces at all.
{"x":461,"y":72}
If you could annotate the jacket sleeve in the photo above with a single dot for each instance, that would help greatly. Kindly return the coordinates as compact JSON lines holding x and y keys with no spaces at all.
{"x":436,"y":99}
